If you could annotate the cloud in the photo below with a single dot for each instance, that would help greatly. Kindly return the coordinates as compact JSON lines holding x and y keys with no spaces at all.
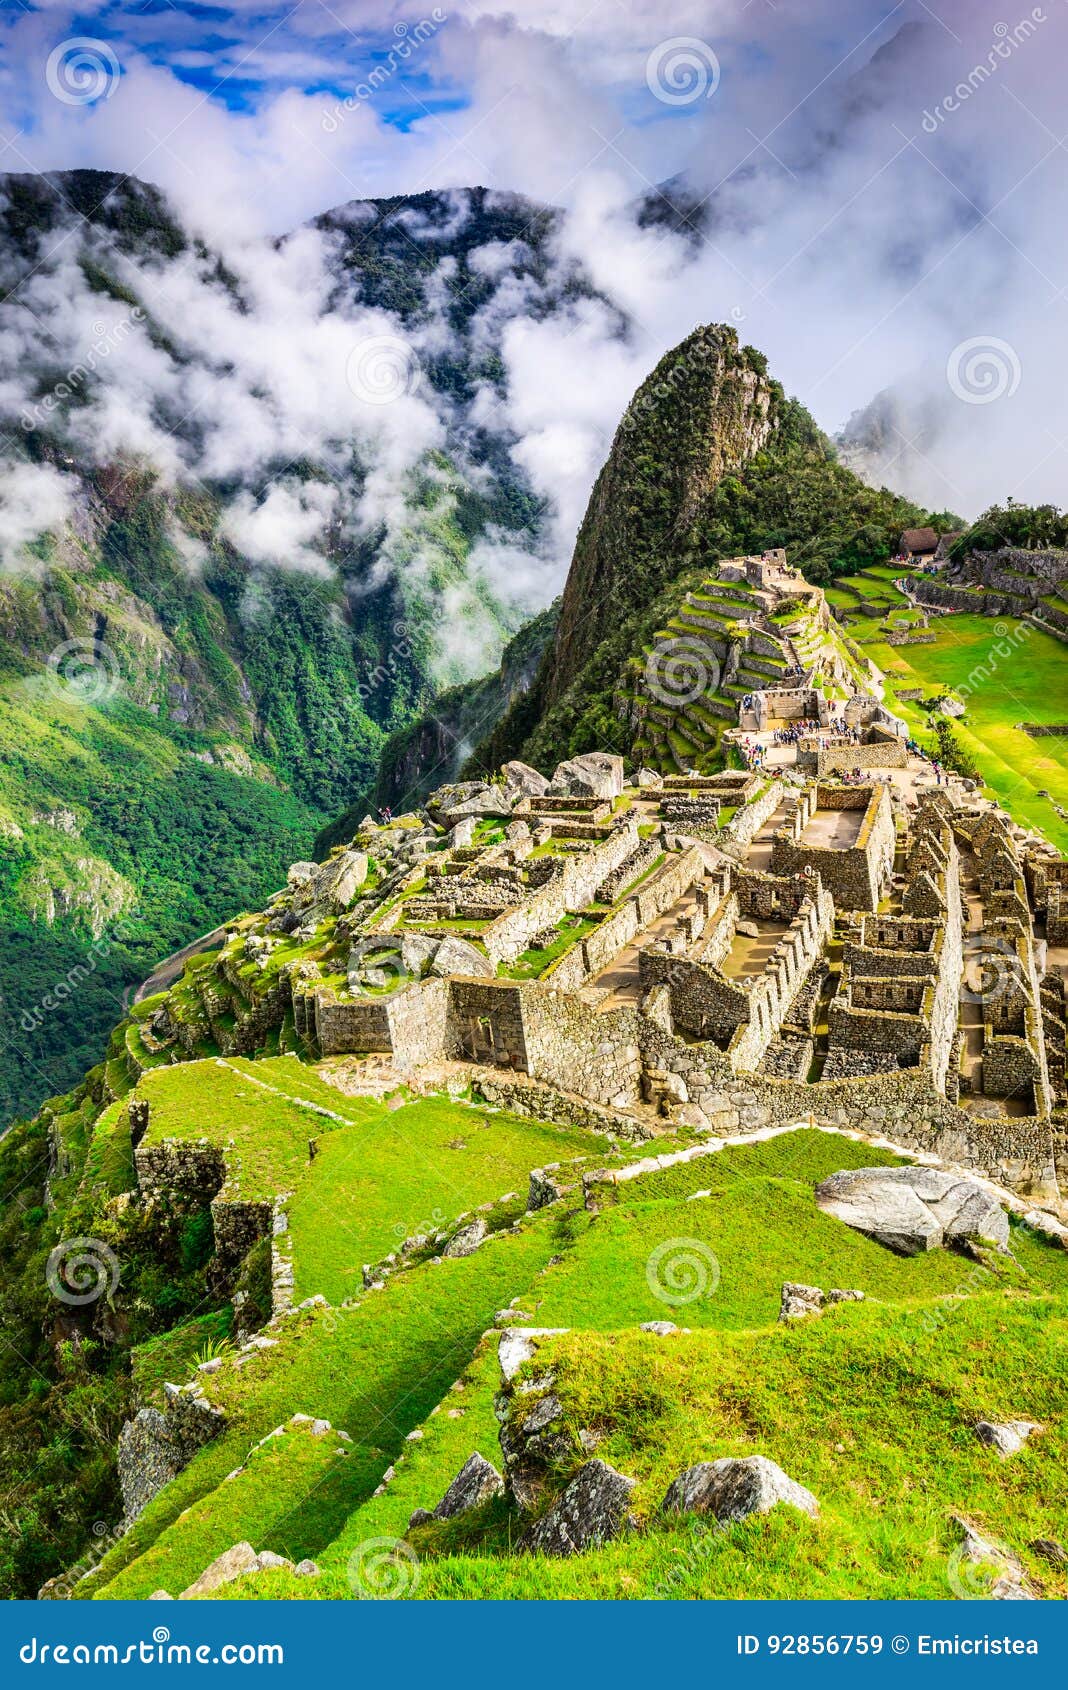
{"x":855,"y":237}
{"x":34,"y":498}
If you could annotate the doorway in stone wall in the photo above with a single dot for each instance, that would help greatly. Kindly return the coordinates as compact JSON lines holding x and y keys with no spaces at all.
{"x":481,"y":1041}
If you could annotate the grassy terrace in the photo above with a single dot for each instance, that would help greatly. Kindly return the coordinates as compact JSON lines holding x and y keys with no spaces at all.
{"x":382,"y":1171}
{"x":1026,"y":681}
{"x":936,"y":1345}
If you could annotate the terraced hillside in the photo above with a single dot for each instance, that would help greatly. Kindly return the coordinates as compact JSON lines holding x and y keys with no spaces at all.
{"x":691,"y":680}
{"x":408,"y":1374}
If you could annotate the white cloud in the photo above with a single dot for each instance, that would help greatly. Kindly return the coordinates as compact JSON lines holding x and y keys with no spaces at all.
{"x":34,"y":498}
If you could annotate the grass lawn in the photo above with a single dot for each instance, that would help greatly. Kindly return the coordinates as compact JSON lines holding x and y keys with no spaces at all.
{"x":375,"y":1371}
{"x":1026,"y":680}
{"x":406,"y":1171}
{"x":872,"y":1405}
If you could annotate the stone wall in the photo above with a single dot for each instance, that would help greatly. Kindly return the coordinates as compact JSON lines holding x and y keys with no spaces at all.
{"x":157,"y":1444}
{"x":886,"y":754}
{"x":856,"y":875}
{"x":746,"y":823}
{"x":511,"y":934}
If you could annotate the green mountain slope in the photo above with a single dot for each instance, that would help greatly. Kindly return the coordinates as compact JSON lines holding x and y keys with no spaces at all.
{"x":180,"y":717}
{"x":710,"y":461}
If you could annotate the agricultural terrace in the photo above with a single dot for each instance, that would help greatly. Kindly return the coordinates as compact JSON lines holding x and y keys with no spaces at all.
{"x":1030,"y":684}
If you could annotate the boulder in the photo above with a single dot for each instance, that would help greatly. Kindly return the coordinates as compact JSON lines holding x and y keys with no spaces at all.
{"x":347,"y":873}
{"x":648,"y":780}
{"x":659,"y":1328}
{"x":592,"y":1510}
{"x":522,"y":781}
{"x":1047,"y":1226}
{"x":596,"y":774}
{"x":458,"y":956}
{"x":1049,"y":1550}
{"x":912,"y":1210}
{"x":732,"y":1489}
{"x":232,"y":1564}
{"x":799,"y":1301}
{"x":1007,"y":1437}
{"x":979,"y":1567}
{"x":467,"y":1240}
{"x":158,"y":1443}
{"x":476,"y":1482}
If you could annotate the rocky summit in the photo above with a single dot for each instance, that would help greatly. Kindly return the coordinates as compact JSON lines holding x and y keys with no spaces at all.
{"x":634,"y":1165}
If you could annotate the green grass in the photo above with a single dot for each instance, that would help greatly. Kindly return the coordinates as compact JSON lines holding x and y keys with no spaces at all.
{"x":1027,"y":684}
{"x":261,"y":1503}
{"x":375,"y":1371}
{"x":533,"y":962}
{"x":872,"y":1405}
{"x":408,"y":1171}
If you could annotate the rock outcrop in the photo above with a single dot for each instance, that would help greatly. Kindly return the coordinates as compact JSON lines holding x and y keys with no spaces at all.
{"x":732,"y":1489}
{"x":592,"y":1510}
{"x":1007,"y":1437}
{"x":911,"y":1210}
{"x":476,"y":1482}
{"x":158,"y":1443}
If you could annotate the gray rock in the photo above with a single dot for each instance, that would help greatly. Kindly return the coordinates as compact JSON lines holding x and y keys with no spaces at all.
{"x":799,"y":1301}
{"x":912,"y":1210}
{"x":476,"y":1482}
{"x":467,"y":1240}
{"x":1049,"y":1550}
{"x":596,"y":774}
{"x":648,"y":780}
{"x":544,"y":1189}
{"x":158,"y":1443}
{"x":458,"y":956}
{"x":161,"y":1596}
{"x":518,"y":1344}
{"x":420,"y":1517}
{"x":1007,"y":1437}
{"x":523,"y":781}
{"x":1048,"y":1226}
{"x":661,"y":1328}
{"x":307,"y":1569}
{"x":547,"y":1409}
{"x":747,"y":929}
{"x":592,"y":1510}
{"x":839,"y":1296}
{"x":732,"y":1489}
{"x":986,"y":1569}
{"x":239,"y":1559}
